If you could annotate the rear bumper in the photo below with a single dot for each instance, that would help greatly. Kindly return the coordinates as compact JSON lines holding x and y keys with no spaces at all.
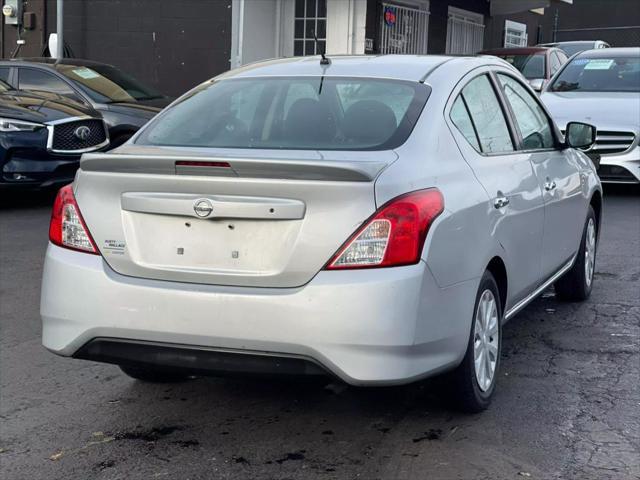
{"x":624,"y":168}
{"x":198,"y":360}
{"x":383,"y":326}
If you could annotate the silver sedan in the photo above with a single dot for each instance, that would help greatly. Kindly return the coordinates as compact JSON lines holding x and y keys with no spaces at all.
{"x":372,"y":218}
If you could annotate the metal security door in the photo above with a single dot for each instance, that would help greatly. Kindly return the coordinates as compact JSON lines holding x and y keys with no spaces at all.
{"x":465,"y":34}
{"x":404,"y":30}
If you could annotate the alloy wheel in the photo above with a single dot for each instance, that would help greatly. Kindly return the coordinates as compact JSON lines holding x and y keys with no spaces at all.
{"x":590,"y":252}
{"x":486,"y":340}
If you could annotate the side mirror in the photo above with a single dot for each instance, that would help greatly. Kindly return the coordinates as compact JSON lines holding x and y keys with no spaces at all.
{"x":580,"y":135}
{"x":537,"y":84}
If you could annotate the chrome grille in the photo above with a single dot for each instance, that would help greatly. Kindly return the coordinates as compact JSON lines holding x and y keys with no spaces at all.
{"x":609,"y":142}
{"x":66,"y":140}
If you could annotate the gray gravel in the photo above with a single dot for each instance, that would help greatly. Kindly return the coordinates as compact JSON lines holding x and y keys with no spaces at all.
{"x":567,"y":404}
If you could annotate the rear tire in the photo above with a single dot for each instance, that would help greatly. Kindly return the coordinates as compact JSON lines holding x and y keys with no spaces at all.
{"x":153,"y":375}
{"x":576,"y":284}
{"x":474,"y":380}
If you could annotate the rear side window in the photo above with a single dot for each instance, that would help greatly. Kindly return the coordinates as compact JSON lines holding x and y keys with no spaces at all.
{"x":530,"y":65}
{"x":530,"y":117}
{"x":555,"y":63}
{"x":461,"y":119}
{"x":486,"y":116}
{"x":317,"y":113}
{"x":4,"y":74}
{"x":32,"y":79}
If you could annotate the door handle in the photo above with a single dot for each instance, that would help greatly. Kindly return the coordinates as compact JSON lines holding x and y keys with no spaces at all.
{"x":501,"y":202}
{"x":549,"y":185}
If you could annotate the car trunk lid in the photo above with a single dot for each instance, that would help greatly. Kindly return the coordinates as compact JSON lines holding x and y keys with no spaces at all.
{"x":270,"y":220}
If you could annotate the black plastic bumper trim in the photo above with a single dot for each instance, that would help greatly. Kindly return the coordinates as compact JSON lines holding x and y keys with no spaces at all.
{"x":195,"y":360}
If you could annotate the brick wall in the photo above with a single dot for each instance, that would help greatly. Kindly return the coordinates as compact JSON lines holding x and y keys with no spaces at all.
{"x":172,"y":46}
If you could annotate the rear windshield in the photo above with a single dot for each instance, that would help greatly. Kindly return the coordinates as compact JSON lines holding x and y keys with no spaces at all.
{"x":603,"y":74}
{"x":573,"y":48}
{"x":531,"y":66}
{"x":319,"y":113}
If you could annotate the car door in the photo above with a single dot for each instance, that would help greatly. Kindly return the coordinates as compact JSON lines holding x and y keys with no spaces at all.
{"x":515,"y":208}
{"x":557,"y":173}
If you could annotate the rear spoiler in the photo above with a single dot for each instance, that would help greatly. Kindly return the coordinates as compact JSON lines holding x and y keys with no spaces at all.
{"x":328,"y":170}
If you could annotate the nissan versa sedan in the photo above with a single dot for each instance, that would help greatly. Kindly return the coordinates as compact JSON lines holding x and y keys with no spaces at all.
{"x":602,"y":87}
{"x":42,"y":138}
{"x":372,"y":218}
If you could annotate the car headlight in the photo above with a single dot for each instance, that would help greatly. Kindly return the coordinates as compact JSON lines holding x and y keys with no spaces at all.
{"x":12,"y":125}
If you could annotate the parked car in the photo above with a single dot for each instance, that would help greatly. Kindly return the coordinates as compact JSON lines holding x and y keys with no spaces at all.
{"x":43,"y":136}
{"x":537,"y":64}
{"x":376,"y":219}
{"x":124,"y":102}
{"x":571,"y":48}
{"x":602,"y":87}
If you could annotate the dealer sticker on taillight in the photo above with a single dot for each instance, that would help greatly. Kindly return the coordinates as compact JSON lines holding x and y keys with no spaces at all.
{"x":114,"y":247}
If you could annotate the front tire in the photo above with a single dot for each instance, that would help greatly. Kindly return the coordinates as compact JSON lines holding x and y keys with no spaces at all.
{"x":153,"y":375}
{"x":474,"y":380}
{"x":576,"y":284}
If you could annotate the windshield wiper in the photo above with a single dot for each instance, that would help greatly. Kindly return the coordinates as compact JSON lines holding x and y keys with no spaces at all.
{"x":150,"y":97}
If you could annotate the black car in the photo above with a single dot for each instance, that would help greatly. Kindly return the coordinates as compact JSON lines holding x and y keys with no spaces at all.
{"x":124,"y":103}
{"x":42,"y":137}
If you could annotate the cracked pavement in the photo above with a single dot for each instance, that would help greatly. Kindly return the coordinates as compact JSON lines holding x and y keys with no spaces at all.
{"x":567,"y":404}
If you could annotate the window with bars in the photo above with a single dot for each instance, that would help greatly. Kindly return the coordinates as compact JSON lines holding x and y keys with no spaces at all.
{"x":465,"y":32}
{"x":515,"y":34}
{"x":310,"y":22}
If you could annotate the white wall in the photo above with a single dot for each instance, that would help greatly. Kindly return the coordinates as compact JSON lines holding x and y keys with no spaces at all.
{"x":263,"y":29}
{"x":346,"y":23}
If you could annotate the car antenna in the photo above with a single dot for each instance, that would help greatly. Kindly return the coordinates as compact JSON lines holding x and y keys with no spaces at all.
{"x":324,"y":60}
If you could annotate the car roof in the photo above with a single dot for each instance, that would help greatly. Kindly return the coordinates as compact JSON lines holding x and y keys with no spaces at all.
{"x":400,"y":67}
{"x":514,"y":50}
{"x":610,"y":52}
{"x":52,"y":62}
{"x":580,"y":42}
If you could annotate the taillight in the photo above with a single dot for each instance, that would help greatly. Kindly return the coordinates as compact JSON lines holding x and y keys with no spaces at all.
{"x":394,"y":235}
{"x":67,"y":228}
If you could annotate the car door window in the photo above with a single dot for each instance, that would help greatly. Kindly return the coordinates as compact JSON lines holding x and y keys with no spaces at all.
{"x":562,"y":57}
{"x":461,"y":119}
{"x":32,"y":79}
{"x":4,"y":74}
{"x":531,"y":119}
{"x":555,"y":63}
{"x":486,"y":116}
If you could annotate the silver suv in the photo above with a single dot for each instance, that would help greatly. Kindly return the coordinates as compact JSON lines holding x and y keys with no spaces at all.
{"x":376,"y":219}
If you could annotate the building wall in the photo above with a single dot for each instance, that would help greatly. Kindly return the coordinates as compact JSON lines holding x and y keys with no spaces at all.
{"x":346,"y":26}
{"x":597,"y":20}
{"x":260,"y":24}
{"x":538,"y":28}
{"x":439,"y":18}
{"x":582,"y":20}
{"x":172,"y":45}
{"x":34,"y":38}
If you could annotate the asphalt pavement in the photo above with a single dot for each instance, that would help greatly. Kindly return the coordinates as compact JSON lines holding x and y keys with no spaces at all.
{"x":567,"y":404}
